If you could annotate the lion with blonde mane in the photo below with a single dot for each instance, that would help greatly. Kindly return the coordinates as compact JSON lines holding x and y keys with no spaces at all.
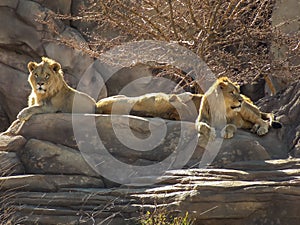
{"x":50,"y":93}
{"x":223,"y":105}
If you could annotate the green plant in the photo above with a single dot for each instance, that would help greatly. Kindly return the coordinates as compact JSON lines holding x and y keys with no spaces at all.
{"x":162,"y":218}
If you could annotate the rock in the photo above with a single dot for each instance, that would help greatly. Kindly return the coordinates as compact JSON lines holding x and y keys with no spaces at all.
{"x":15,"y":88}
{"x":284,"y":11}
{"x":127,"y":143}
{"x":211,"y":196}
{"x":24,"y":38}
{"x":254,"y":90}
{"x":286,"y":106}
{"x":32,"y":13}
{"x":47,"y":158}
{"x":48,"y":182}
{"x":9,"y":3}
{"x":16,"y":30}
{"x":132,"y":147}
{"x":11,"y":143}
{"x":60,"y":6}
{"x":10,"y":164}
{"x":73,"y":61}
{"x":4,"y":124}
{"x":293,"y":163}
{"x":135,"y":81}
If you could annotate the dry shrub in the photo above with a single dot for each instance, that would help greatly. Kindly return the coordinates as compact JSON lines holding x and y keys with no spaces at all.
{"x":233,"y":37}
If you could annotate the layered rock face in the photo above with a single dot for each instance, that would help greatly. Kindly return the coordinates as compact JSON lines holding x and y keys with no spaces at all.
{"x":55,"y":171}
{"x":22,"y":39}
{"x":62,"y":174}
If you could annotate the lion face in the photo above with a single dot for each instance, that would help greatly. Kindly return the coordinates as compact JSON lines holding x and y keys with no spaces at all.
{"x":45,"y":77}
{"x":231,"y":93}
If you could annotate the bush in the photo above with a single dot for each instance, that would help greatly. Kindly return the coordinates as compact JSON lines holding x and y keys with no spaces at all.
{"x":233,"y":37}
{"x":161,"y":218}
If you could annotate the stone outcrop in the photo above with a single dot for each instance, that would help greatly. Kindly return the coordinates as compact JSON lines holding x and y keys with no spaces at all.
{"x":24,"y":38}
{"x":49,"y":176}
{"x":54,"y":176}
{"x":286,"y":106}
{"x":268,"y":193}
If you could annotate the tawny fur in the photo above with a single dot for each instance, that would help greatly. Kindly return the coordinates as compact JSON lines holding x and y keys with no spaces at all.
{"x":167,"y":106}
{"x":223,"y":105}
{"x":50,"y":93}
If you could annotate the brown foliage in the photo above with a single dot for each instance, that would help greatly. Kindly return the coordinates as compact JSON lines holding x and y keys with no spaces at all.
{"x":232,"y":37}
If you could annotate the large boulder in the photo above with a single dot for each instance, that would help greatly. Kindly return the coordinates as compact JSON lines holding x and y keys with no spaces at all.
{"x":125,"y":137}
{"x":23,"y":38}
{"x":286,"y":106}
{"x":269,"y":194}
{"x":63,"y":174}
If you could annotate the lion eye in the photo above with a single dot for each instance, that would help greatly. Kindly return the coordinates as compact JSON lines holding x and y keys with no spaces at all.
{"x":47,"y":76}
{"x":36,"y":76}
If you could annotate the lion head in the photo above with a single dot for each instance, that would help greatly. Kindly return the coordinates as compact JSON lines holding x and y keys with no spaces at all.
{"x":231,"y":94}
{"x":223,"y":100}
{"x":46,"y":77}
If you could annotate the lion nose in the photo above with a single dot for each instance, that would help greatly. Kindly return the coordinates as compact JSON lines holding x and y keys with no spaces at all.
{"x":240,"y":100}
{"x":40,"y":83}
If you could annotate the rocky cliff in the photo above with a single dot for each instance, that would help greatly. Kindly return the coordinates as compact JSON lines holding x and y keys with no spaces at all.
{"x":52,"y":176}
{"x":55,"y":180}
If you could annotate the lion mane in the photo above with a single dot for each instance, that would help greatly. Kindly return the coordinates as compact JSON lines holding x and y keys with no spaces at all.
{"x":50,"y":93}
{"x":223,"y":105}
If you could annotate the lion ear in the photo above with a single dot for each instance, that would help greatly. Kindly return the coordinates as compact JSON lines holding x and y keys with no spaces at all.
{"x":55,"y":67}
{"x":223,"y":84}
{"x":31,"y":66}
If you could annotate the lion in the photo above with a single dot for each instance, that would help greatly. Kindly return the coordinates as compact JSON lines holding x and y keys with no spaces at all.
{"x":51,"y":94}
{"x":238,"y":112}
{"x":182,"y":106}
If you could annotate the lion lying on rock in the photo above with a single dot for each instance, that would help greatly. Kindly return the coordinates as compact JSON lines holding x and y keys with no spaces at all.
{"x":167,"y":106}
{"x":238,"y":111}
{"x":223,"y":104}
{"x":50,"y":93}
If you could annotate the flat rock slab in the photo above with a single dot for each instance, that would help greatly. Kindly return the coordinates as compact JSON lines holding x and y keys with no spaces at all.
{"x":47,"y":182}
{"x":128,"y":138}
{"x":11,"y":143}
{"x":42,"y":157}
{"x":211,"y":196}
{"x":10,"y":164}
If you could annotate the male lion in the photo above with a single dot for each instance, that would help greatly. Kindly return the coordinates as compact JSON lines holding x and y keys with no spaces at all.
{"x":223,"y":104}
{"x":167,"y":106}
{"x":50,"y":93}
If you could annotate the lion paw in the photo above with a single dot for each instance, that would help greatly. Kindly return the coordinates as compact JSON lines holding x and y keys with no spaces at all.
{"x":259,"y":130}
{"x":262,"y":131}
{"x":228,"y":131}
{"x":207,"y":131}
{"x":24,"y":114}
{"x":255,"y":128}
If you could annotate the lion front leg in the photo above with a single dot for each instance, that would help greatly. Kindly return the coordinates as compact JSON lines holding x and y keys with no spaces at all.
{"x":260,"y":128}
{"x":228,"y":131}
{"x":207,"y":131}
{"x":27,"y":112}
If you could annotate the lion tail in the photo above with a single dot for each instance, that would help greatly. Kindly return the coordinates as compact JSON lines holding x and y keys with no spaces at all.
{"x":272,"y":120}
